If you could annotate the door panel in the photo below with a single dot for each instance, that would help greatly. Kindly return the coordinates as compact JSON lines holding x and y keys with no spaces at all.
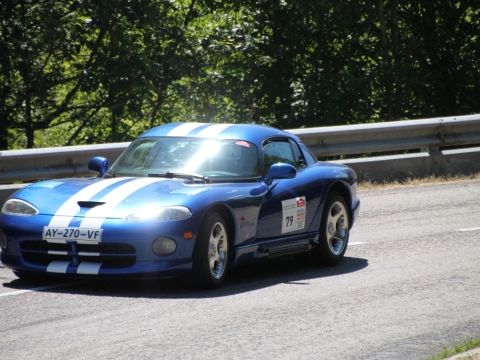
{"x":288,"y":208}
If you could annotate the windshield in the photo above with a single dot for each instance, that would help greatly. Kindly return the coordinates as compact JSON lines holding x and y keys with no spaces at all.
{"x":215,"y":159}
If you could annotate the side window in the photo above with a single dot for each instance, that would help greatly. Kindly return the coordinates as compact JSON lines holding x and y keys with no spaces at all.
{"x":298,"y":156}
{"x":309,"y":157}
{"x":277,"y":151}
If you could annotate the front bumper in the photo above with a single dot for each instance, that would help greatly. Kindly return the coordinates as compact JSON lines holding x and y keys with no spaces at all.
{"x":125,"y":249}
{"x":84,"y":268}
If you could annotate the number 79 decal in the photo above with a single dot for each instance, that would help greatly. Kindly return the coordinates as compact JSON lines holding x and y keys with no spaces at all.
{"x":294,"y":212}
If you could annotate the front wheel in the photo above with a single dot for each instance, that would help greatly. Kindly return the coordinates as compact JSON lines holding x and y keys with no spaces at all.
{"x":210,"y":257}
{"x":334,"y":230}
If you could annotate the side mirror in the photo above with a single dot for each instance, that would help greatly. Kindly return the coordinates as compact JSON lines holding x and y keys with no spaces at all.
{"x":280,"y":171}
{"x":98,"y":164}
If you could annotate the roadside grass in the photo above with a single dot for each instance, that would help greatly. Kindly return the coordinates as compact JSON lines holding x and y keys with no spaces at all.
{"x":458,"y":349}
{"x":368,"y":185}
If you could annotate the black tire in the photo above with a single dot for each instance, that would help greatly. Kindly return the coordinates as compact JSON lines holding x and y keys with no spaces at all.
{"x":210,"y":260}
{"x":334,"y":231}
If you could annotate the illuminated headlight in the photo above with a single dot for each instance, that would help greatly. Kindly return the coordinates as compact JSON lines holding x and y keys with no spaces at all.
{"x":3,"y":240}
{"x":169,"y":213}
{"x":18,"y":207}
{"x":164,"y":246}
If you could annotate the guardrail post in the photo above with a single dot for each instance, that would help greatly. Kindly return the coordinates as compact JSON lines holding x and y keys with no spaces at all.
{"x":437,"y":160}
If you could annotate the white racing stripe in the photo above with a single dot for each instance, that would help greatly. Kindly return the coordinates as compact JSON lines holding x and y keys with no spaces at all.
{"x":183,"y":129}
{"x":88,"y":253}
{"x":87,"y":242}
{"x":88,"y":268}
{"x":56,"y":252}
{"x":213,"y":130}
{"x":69,"y":209}
{"x":95,"y":217}
{"x":59,"y":267}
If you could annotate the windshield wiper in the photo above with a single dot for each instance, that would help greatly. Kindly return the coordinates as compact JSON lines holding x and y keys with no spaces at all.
{"x":171,"y":175}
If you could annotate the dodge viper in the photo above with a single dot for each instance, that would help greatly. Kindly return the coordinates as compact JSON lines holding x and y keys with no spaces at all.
{"x":184,"y":198}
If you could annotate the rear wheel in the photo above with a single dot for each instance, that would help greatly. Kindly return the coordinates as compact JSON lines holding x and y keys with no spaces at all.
{"x":334,"y":230}
{"x":211,"y":257}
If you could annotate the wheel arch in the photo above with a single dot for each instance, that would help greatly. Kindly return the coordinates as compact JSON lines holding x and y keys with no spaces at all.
{"x":227,"y":214}
{"x":343,"y":189}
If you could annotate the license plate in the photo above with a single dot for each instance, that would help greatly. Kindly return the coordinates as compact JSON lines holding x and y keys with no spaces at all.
{"x":72,"y":233}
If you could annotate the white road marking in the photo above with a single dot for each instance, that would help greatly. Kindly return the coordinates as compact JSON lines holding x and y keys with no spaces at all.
{"x":40,"y":288}
{"x":469,"y":229}
{"x":355,"y":243}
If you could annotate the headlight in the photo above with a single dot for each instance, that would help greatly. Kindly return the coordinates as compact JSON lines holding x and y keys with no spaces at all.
{"x":169,"y":213}
{"x":18,"y":207}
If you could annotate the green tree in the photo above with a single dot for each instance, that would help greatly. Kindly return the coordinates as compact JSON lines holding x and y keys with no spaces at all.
{"x":84,"y":71}
{"x":92,"y":70}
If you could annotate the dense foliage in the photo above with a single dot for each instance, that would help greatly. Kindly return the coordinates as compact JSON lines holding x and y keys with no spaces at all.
{"x":85,"y":71}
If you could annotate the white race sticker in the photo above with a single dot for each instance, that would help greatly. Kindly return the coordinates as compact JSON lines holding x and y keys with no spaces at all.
{"x":294,"y":212}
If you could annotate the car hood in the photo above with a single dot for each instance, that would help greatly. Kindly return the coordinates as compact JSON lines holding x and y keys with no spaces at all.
{"x":107,"y":198}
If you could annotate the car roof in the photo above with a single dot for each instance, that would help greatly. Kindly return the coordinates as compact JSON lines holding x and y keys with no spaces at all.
{"x":256,"y":134}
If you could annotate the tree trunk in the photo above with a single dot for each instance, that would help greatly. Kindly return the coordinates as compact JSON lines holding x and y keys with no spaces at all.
{"x":156,"y":108}
{"x":4,"y":116}
{"x":386,"y":63}
{"x":3,"y":127}
{"x":396,"y":63}
{"x":5,"y":68}
{"x":4,"y":111}
{"x":113,"y":126}
{"x":29,"y":126}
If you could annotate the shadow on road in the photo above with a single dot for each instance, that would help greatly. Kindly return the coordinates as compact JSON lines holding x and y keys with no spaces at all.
{"x":241,"y":280}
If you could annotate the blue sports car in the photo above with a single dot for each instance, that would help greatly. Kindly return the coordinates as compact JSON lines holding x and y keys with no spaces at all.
{"x":184,"y":197}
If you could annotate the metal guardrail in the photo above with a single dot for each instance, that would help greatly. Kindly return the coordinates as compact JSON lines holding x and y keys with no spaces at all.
{"x":42,"y":163}
{"x":432,"y":140}
{"x":392,"y":136}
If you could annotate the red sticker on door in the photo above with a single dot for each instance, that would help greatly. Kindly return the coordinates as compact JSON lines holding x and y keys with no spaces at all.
{"x":300,"y":202}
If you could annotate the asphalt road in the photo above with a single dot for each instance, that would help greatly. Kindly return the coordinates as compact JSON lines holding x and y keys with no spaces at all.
{"x":409,"y":286}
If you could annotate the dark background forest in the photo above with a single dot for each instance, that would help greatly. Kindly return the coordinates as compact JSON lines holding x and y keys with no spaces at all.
{"x":89,"y":71}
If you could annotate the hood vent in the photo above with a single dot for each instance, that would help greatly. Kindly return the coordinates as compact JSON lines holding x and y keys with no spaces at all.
{"x":89,"y":204}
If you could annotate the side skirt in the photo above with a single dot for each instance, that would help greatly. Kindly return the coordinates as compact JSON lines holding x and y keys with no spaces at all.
{"x":276,"y":247}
